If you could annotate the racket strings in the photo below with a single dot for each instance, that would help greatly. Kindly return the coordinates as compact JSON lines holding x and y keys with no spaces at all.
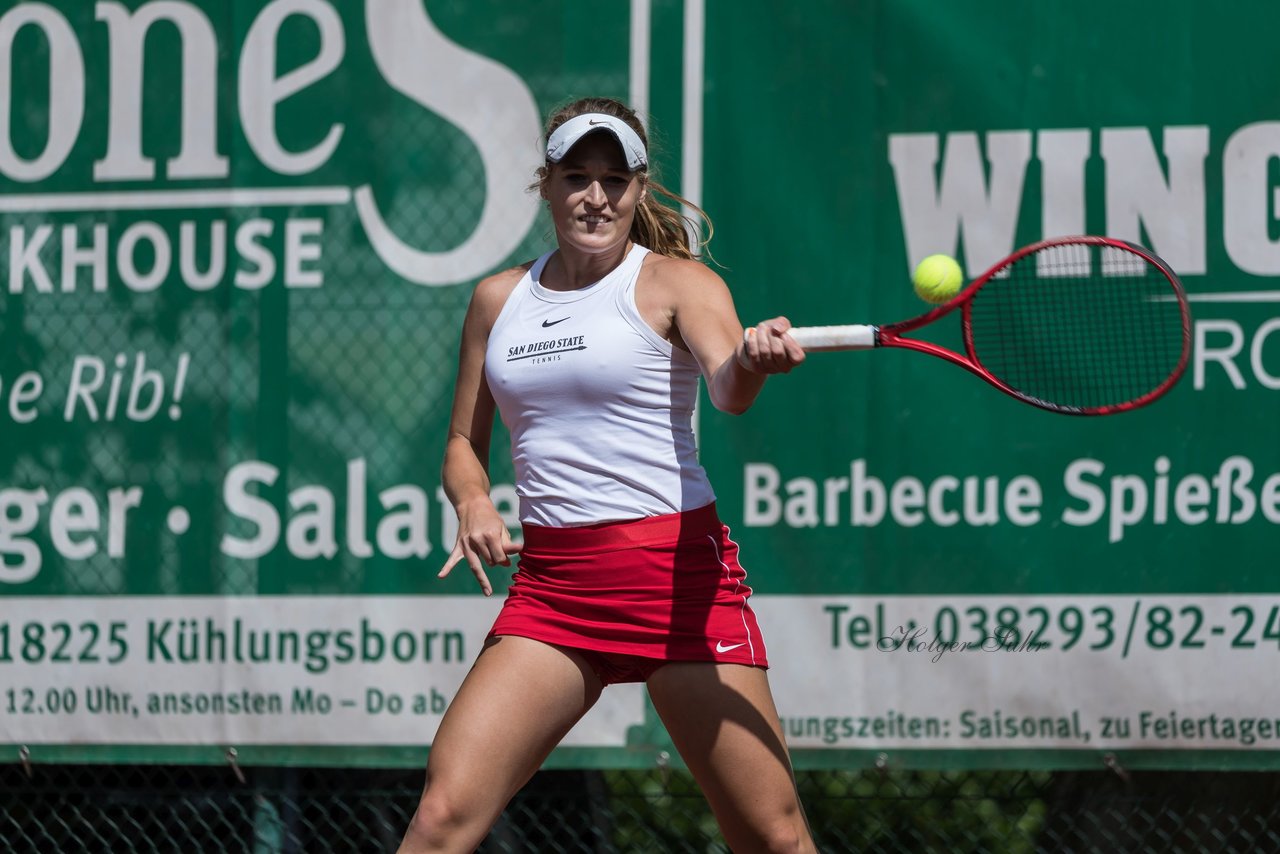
{"x":1078,"y":326}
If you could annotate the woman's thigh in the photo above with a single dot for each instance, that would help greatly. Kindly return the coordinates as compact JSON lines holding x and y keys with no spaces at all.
{"x":519,"y":700}
{"x":722,"y":719}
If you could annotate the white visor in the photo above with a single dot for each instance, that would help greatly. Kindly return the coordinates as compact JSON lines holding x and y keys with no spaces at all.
{"x":567,"y":135}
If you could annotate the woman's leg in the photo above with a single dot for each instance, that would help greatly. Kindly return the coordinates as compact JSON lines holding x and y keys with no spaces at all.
{"x":519,"y":700}
{"x":722,"y":719}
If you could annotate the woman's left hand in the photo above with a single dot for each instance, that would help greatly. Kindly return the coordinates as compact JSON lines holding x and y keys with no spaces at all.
{"x":766,"y":348}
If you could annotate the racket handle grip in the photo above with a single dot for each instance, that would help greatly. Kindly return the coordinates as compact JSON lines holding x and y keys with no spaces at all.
{"x":818,"y":338}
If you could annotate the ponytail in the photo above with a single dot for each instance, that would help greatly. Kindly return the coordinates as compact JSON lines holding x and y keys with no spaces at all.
{"x":664,"y":229}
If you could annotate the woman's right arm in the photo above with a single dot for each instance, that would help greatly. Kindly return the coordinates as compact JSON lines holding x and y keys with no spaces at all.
{"x":483,"y":537}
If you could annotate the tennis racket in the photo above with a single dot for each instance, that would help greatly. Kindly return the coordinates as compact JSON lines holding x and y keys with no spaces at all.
{"x":1076,"y":325}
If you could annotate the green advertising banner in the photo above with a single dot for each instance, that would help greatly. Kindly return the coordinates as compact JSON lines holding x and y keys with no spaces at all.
{"x":237,"y":241}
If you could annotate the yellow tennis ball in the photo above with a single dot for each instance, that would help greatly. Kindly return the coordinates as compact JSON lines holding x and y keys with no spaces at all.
{"x":937,"y":279}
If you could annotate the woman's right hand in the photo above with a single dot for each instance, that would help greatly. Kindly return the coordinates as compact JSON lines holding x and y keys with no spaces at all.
{"x":483,"y":538}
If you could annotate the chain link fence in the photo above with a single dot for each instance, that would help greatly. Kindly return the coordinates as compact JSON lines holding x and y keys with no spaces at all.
{"x":118,"y":808}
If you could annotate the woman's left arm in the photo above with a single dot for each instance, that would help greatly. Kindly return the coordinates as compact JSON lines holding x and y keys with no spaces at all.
{"x":734,"y":364}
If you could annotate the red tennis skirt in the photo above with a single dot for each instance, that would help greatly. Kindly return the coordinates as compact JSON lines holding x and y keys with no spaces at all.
{"x":634,"y":595}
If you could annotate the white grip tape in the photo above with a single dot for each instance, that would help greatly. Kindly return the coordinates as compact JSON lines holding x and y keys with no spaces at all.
{"x":814,"y":338}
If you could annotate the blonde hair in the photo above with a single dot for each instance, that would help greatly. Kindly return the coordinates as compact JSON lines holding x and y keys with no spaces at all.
{"x":659,"y":227}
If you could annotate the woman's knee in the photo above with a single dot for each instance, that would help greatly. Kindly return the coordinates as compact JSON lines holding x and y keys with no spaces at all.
{"x":441,"y":821}
{"x":788,"y":837}
{"x":785,"y":832}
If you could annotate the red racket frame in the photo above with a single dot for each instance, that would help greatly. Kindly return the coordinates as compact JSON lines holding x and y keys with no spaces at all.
{"x":891,"y":334}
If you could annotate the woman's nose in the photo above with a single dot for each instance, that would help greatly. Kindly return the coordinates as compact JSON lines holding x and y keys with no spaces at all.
{"x":596,"y":195}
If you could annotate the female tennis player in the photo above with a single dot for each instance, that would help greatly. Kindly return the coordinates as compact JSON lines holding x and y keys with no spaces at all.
{"x":592,"y":355}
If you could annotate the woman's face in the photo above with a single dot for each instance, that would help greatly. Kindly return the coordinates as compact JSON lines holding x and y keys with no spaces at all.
{"x":593,"y":196}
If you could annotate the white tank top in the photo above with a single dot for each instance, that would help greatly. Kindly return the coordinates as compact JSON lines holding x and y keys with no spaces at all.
{"x":599,"y":406}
